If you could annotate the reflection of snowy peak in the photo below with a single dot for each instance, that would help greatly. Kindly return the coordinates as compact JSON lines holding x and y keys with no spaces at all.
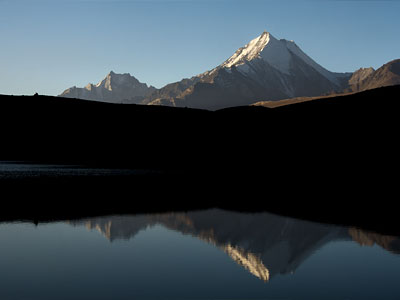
{"x":249,"y":261}
{"x":263,"y":244}
{"x":264,"y":69}
{"x":116,"y":88}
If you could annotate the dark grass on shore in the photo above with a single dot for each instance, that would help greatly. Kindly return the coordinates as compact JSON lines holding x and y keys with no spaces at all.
{"x":332,"y":160}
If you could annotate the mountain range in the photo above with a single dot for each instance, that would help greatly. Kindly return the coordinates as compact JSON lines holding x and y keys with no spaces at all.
{"x":266,"y":69}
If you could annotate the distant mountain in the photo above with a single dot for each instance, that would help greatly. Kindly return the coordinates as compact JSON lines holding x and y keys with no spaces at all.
{"x":115,"y":88}
{"x":363,"y":79}
{"x":366,"y":79}
{"x":264,"y":69}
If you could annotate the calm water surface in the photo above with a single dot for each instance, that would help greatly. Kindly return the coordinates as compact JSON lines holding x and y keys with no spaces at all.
{"x":23,"y":170}
{"x":211,"y":254}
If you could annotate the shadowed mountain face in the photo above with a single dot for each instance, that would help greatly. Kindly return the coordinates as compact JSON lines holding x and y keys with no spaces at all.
{"x":115,"y":88}
{"x":263,"y":243}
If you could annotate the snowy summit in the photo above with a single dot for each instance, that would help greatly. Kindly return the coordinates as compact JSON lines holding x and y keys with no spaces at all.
{"x":277,"y":53}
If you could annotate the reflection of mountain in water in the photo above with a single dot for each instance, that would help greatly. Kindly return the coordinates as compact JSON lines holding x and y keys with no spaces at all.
{"x":263,"y":243}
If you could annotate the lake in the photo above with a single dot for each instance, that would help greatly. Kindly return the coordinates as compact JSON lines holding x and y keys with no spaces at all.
{"x":27,"y":170}
{"x":209,"y":254}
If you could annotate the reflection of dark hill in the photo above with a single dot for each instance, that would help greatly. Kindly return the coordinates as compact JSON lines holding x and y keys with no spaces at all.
{"x":263,"y":243}
{"x":320,"y":159}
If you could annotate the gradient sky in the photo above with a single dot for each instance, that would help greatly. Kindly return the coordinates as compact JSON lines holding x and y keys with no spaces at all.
{"x":47,"y":46}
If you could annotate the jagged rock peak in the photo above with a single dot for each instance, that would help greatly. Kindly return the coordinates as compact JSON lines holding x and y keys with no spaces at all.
{"x":114,"y":88}
{"x":113,"y":74}
{"x":359,"y":75}
{"x":113,"y":79}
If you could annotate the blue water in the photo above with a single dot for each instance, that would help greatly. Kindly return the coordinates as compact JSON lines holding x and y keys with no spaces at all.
{"x":22,"y":170}
{"x":210,"y":254}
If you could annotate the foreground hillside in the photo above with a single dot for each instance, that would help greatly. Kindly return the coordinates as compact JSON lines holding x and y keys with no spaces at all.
{"x":333,"y":160}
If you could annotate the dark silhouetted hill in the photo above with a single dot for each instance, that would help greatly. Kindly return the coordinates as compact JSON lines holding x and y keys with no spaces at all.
{"x":332,"y":160}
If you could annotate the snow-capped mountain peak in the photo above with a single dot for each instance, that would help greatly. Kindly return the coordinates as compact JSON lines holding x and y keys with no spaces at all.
{"x":277,"y":53}
{"x":266,"y":47}
{"x":249,"y":51}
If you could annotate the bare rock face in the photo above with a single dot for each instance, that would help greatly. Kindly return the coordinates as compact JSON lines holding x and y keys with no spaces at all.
{"x":366,"y":79}
{"x":359,"y":76}
{"x":115,"y":88}
{"x":387,"y":75}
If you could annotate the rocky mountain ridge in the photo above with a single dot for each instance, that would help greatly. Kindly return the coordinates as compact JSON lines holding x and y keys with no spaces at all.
{"x":367,"y":79}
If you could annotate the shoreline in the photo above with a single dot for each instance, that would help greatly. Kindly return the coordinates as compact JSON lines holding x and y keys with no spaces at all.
{"x":46,"y":199}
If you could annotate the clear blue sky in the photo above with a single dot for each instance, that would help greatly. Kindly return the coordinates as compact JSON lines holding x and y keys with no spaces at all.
{"x":47,"y":46}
